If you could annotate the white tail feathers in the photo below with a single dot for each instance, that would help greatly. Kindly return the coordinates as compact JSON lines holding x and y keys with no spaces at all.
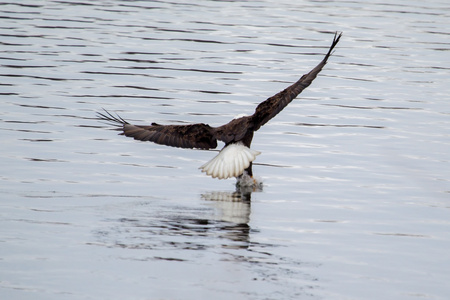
{"x":231,"y":161}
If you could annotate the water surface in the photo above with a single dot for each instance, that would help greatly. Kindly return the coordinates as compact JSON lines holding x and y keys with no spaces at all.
{"x":356,"y":173}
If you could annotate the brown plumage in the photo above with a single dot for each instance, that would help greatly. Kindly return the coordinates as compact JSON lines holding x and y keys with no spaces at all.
{"x":203,"y":136}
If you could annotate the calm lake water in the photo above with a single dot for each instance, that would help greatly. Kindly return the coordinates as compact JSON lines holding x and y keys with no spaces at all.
{"x":356,"y":172}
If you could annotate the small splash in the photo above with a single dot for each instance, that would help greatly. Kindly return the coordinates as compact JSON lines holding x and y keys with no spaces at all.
{"x":250,"y":183}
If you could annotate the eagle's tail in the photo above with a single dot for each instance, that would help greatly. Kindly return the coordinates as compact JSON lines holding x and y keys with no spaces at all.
{"x":231,"y":161}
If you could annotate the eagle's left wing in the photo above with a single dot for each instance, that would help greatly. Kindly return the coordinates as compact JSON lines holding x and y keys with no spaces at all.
{"x":272,"y":106}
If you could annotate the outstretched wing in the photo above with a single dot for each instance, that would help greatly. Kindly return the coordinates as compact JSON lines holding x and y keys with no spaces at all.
{"x":199,"y":136}
{"x":272,"y":106}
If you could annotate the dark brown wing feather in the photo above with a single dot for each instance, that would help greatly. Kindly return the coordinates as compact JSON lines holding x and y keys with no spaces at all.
{"x":272,"y":106}
{"x":199,"y":136}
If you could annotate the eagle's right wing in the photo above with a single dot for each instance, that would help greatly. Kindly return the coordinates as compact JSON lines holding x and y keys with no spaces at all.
{"x":199,"y":135}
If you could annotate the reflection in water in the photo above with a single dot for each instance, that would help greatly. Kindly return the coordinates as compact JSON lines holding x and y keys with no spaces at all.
{"x":219,"y":235}
{"x":234,"y":208}
{"x":209,"y":241}
{"x":226,"y":219}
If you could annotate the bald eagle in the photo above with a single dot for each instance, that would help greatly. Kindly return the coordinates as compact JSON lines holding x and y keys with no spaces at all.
{"x":235,"y":159}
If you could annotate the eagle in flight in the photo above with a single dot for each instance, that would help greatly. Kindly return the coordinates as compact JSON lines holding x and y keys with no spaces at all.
{"x":235,"y":159}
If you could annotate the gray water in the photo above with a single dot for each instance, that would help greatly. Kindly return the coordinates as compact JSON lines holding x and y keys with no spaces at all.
{"x":356,"y":171}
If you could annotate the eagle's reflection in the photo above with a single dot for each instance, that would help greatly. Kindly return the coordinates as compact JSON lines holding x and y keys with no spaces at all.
{"x":232,"y":212}
{"x":222,"y":221}
{"x":230,"y":206}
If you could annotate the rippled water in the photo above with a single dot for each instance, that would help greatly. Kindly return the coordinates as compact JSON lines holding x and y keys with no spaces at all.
{"x":356,"y":172}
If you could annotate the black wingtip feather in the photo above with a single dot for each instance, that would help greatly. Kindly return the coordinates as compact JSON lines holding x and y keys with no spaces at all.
{"x":110,"y":119}
{"x":337,"y":37}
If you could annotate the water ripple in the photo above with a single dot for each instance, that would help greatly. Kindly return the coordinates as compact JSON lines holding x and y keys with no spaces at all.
{"x":355,"y":171}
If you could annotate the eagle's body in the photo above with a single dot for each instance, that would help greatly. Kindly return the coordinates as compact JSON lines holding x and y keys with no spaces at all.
{"x":236,"y":156}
